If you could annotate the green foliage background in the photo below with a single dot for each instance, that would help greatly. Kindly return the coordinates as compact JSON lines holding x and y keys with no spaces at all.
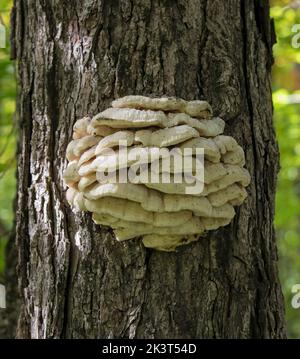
{"x":286,"y":98}
{"x":7,"y":135}
{"x":287,"y":121}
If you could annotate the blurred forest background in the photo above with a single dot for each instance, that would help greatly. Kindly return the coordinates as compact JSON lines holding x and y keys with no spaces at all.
{"x":286,"y":96}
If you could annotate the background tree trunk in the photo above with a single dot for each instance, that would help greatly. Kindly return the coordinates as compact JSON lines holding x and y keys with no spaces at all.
{"x":76,"y":280}
{"x":9,"y":316}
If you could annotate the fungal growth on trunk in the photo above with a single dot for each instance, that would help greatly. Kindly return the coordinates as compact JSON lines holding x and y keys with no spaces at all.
{"x":132,"y":166}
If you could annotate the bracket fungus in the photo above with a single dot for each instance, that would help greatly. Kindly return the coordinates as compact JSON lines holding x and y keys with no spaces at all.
{"x":165,"y":135}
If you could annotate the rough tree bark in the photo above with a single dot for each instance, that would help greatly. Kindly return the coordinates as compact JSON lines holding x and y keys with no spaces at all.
{"x":76,"y":281}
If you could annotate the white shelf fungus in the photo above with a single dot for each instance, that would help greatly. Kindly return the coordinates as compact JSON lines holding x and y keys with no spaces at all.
{"x":155,"y":142}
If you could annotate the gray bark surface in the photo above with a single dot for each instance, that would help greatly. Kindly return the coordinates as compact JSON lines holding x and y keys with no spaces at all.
{"x":75,"y":279}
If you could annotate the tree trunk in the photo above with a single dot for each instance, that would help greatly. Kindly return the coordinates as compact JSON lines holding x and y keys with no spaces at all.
{"x":9,"y":316}
{"x":76,"y":280}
